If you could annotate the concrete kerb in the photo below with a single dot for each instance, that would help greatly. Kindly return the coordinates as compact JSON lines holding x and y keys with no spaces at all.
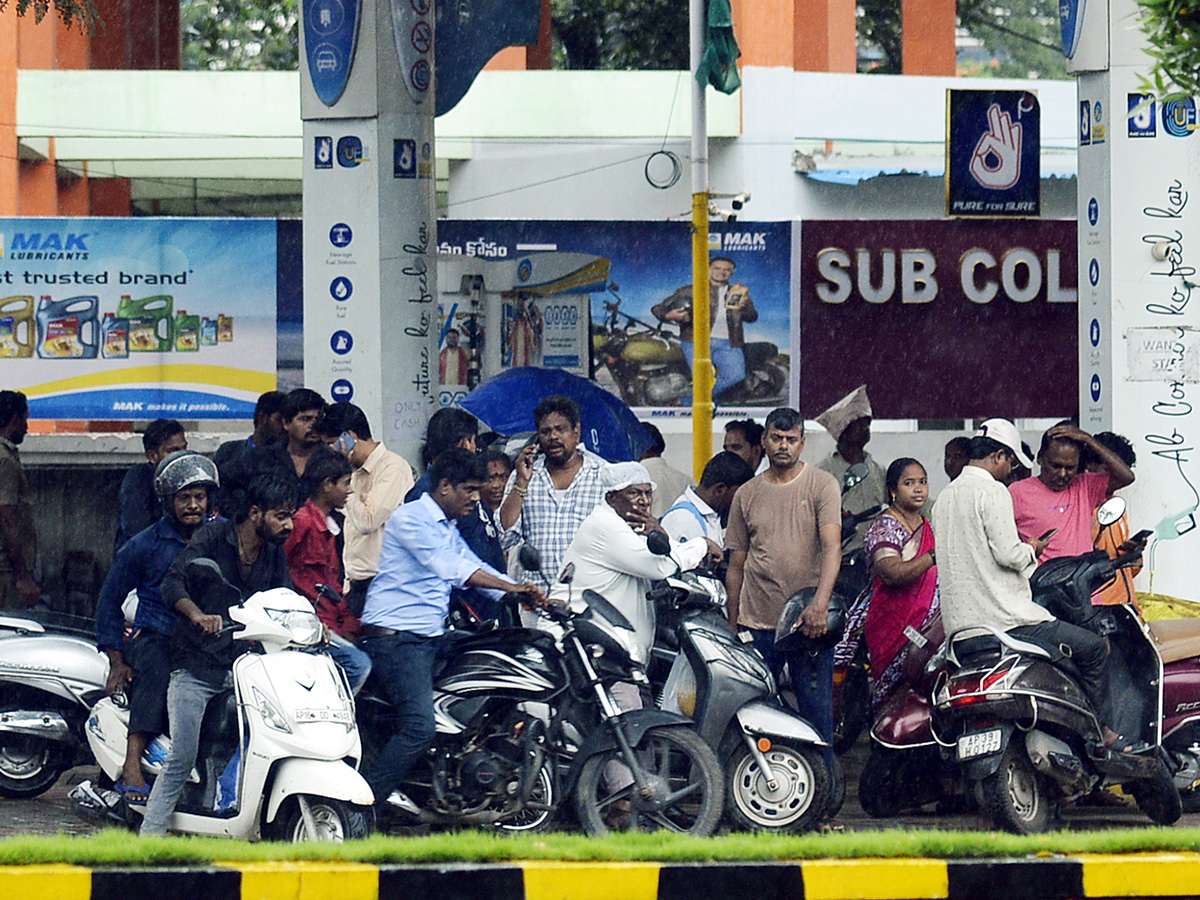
{"x":1033,"y":878}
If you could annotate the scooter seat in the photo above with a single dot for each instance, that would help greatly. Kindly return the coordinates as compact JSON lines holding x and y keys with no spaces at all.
{"x":1176,"y":638}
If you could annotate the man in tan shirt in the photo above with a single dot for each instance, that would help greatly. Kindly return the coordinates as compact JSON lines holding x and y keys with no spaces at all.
{"x":379,"y":482}
{"x":784,"y":535}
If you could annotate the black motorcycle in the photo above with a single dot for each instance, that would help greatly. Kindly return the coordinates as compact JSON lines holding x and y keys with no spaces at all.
{"x":525,"y":720}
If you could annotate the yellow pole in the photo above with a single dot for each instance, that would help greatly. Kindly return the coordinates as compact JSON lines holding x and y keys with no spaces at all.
{"x":702,"y":371}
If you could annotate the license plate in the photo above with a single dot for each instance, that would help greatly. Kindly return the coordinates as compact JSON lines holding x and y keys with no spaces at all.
{"x":323,"y":715}
{"x":980,"y":743}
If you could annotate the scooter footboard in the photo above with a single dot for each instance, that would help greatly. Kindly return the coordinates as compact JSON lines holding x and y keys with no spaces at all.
{"x":762,"y":718}
{"x":321,"y":777}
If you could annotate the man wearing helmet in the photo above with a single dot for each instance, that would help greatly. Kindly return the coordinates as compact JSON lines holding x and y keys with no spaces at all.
{"x":184,"y":482}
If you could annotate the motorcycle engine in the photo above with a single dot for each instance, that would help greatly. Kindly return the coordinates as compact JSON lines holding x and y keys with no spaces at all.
{"x":667,"y":387}
{"x":494,"y":767}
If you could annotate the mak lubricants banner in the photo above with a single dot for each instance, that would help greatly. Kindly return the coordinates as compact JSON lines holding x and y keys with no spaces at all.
{"x":637,"y":351}
{"x":138,"y":318}
{"x":940,"y":319}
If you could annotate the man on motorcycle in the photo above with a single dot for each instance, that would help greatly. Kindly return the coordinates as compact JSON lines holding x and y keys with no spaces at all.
{"x":849,"y":423}
{"x":729,"y":306}
{"x":423,"y":557}
{"x":185,"y":482}
{"x":610,"y":555}
{"x":984,"y":566}
{"x":249,"y":552}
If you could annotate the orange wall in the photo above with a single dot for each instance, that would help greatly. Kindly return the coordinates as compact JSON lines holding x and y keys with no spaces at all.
{"x":8,"y":114}
{"x":928,"y":37}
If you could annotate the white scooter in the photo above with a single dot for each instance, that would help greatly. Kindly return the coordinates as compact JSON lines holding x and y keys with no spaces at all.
{"x":278,"y":753}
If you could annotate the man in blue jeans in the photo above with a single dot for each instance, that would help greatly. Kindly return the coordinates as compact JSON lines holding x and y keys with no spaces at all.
{"x":423,"y":557}
{"x":785,"y":535}
{"x":249,"y":552}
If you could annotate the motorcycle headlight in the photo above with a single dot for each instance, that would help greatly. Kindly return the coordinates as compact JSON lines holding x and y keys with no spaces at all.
{"x":270,"y":713}
{"x":303,"y":627}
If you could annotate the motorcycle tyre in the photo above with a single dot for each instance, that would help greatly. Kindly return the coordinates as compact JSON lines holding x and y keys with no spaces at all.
{"x":741,"y":798}
{"x":29,"y":766}
{"x":678,"y":738}
{"x":877,"y":785}
{"x":1158,"y":797}
{"x":544,"y":791}
{"x":1002,"y":793}
{"x":346,"y":821}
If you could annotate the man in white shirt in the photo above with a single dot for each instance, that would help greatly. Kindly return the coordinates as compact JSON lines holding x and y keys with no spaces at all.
{"x":984,"y":566}
{"x":702,"y":511}
{"x":610,"y":555}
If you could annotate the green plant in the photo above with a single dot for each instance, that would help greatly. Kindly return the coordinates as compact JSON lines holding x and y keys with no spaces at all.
{"x":1172,"y":30}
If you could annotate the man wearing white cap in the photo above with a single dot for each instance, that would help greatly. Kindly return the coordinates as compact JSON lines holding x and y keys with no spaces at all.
{"x":849,"y":423}
{"x":984,"y":566}
{"x":610,"y":555}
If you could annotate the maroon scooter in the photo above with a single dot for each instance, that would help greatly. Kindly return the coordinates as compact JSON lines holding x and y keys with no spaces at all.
{"x":905,"y":769}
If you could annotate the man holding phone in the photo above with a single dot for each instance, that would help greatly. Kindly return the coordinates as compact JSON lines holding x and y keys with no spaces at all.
{"x":1058,"y":506}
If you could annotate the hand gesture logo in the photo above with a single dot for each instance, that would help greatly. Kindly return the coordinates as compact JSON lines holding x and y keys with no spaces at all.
{"x":996,"y":162}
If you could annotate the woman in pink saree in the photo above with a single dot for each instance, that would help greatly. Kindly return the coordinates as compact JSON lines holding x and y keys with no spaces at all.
{"x":899,"y":548}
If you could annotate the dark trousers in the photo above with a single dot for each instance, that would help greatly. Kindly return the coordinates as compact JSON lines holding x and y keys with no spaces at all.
{"x":402,"y":670}
{"x":1087,"y":651}
{"x":149,"y":655}
{"x":812,"y":680}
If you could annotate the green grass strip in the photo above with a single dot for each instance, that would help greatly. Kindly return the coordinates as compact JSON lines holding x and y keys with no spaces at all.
{"x":115,"y":847}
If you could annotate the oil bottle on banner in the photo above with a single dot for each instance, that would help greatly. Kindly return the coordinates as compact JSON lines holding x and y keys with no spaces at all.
{"x":150,"y":322}
{"x":114,"y":334}
{"x":187,"y":332}
{"x":68,"y":329}
{"x":16,"y":327}
{"x":208,"y":332}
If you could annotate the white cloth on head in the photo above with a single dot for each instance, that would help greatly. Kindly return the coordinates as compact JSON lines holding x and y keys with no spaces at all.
{"x":618,"y":476}
{"x":851,"y":408}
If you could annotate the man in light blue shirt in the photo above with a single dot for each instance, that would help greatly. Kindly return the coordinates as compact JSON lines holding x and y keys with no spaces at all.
{"x":423,"y":557}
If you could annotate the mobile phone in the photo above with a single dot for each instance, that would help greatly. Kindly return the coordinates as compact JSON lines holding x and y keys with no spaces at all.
{"x":1142,"y":535}
{"x":1049,"y":534}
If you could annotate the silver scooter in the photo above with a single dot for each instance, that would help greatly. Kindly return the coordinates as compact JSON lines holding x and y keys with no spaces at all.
{"x":776,"y":779}
{"x":50,"y":675}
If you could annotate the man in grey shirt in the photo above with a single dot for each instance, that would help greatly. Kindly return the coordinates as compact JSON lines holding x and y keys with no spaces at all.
{"x":984,"y":566}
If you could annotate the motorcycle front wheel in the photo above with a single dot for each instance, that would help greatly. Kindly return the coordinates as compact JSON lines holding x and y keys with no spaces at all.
{"x":797,"y":801}
{"x":683,"y":772}
{"x":29,"y":765}
{"x":334,"y":820}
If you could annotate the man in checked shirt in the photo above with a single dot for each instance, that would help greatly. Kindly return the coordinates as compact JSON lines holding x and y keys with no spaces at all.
{"x":555,"y":485}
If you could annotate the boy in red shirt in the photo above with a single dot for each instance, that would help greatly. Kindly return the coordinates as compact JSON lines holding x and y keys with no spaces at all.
{"x":313,"y":558}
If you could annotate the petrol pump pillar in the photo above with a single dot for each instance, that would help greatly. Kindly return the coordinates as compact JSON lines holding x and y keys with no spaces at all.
{"x":370,"y":242}
{"x":1139,"y":246}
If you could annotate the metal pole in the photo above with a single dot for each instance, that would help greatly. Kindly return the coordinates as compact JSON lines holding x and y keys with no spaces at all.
{"x":702,"y":371}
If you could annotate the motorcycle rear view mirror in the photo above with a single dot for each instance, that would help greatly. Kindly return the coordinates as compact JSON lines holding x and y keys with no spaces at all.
{"x":530,"y":559}
{"x":658,"y":543}
{"x":855,"y":475}
{"x":568,"y":574}
{"x":1110,"y":511}
{"x":205,"y":570}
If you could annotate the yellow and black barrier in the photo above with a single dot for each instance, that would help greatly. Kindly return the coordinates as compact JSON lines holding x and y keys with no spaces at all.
{"x":1040,"y":878}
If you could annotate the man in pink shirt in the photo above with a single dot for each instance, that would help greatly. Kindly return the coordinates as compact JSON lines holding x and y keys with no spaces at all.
{"x":1062,"y":498}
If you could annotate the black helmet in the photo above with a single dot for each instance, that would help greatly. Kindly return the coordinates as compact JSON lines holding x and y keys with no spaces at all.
{"x":789,"y":637}
{"x":184,"y":469}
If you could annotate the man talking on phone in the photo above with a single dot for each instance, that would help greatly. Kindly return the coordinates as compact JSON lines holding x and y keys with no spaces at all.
{"x":1062,"y":500}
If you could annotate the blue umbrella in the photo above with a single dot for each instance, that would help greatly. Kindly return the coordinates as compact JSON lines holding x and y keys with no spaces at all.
{"x":506,"y":401}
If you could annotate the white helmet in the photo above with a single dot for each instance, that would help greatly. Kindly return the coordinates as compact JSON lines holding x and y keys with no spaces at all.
{"x":184,"y":469}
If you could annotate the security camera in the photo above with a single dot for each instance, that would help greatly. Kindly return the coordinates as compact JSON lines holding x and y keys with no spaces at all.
{"x":720,"y":213}
{"x":740,"y":199}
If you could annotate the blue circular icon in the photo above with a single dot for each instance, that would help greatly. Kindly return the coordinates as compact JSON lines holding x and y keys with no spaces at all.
{"x":341,"y":342}
{"x":326,"y":16}
{"x":341,"y":391}
{"x":341,"y":288}
{"x":1094,"y":272}
{"x":1094,"y":332}
{"x":1093,"y":212}
{"x":340,"y":235}
{"x":1098,"y":112}
{"x":1095,"y":388}
{"x":524,"y":270}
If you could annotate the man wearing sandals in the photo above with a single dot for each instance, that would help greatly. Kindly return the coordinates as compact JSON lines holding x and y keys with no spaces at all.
{"x":984,"y":566}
